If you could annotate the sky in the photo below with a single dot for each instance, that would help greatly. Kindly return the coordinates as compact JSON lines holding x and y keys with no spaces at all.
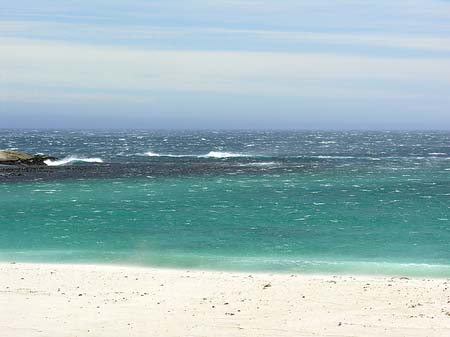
{"x":232,"y":64}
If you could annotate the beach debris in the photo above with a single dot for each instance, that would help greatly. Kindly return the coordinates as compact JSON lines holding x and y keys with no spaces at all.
{"x":415,"y":305}
{"x":267,"y":285}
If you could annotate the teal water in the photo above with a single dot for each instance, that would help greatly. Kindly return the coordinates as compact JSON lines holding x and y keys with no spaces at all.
{"x":334,"y":214}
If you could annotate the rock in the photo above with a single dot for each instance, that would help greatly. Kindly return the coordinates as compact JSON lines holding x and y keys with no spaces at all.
{"x":19,"y":158}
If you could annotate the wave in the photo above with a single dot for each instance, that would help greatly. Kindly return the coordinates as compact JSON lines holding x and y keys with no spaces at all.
{"x":152,"y":154}
{"x":211,"y":154}
{"x":72,"y":159}
{"x":218,"y":154}
{"x":261,"y":164}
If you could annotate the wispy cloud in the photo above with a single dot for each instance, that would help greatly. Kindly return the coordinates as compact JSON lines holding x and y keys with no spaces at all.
{"x":262,"y":39}
{"x":290,"y":51}
{"x":104,"y":69}
{"x":386,"y":16}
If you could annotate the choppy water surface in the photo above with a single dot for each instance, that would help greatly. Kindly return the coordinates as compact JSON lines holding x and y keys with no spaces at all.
{"x":364,"y":202}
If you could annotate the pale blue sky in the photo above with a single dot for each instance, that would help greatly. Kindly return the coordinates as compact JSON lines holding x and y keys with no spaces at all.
{"x":341,"y":64}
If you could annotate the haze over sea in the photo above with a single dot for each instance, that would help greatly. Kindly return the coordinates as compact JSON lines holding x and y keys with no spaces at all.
{"x":284,"y":201}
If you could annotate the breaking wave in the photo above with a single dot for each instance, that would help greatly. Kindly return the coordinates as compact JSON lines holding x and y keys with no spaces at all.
{"x":261,"y":164}
{"x":72,"y":159}
{"x":211,"y":154}
{"x":217,"y":154}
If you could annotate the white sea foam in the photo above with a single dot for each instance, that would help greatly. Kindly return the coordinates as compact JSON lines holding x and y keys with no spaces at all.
{"x":72,"y":159}
{"x":270,"y":163}
{"x":152,"y":154}
{"x":437,"y":154}
{"x":211,"y":154}
{"x":334,"y":157}
{"x":218,"y":154}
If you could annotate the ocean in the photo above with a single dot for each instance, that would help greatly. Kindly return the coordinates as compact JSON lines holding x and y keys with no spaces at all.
{"x":276,"y":201}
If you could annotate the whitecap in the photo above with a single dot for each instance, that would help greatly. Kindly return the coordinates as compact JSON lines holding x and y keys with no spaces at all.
{"x":211,"y":154}
{"x":152,"y":154}
{"x":218,"y":154}
{"x":437,"y":154}
{"x":269,"y":163}
{"x":333,"y":157}
{"x":72,"y":159}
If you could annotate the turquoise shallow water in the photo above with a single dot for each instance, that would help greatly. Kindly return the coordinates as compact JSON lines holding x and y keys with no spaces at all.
{"x":332,"y":214}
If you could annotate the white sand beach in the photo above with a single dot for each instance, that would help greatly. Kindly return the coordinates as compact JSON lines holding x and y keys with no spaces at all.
{"x":91,"y":300}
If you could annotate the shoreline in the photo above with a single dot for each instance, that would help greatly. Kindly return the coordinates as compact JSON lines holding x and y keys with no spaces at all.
{"x":373,"y":269}
{"x":40,"y":299}
{"x":262,"y":272}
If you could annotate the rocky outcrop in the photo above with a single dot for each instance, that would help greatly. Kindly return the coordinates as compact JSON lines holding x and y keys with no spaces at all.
{"x":19,"y":158}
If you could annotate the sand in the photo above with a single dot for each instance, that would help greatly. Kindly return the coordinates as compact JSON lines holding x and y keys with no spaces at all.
{"x":91,"y":300}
